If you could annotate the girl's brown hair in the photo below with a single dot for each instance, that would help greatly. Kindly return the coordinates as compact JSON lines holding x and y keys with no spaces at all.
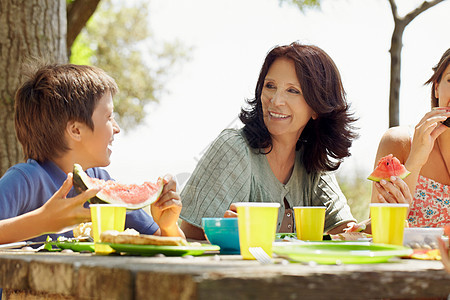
{"x":52,"y":96}
{"x":326,"y":140}
{"x":437,"y":76}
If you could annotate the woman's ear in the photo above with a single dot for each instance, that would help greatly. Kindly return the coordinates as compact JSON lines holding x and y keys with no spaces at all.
{"x":314,"y":116}
{"x":73,"y":130}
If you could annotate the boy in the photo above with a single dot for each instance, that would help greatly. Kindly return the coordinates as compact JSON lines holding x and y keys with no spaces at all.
{"x":64,"y":115}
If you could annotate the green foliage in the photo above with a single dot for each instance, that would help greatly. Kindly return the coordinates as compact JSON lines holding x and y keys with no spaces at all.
{"x":118,"y":39}
{"x":358,"y":192}
{"x":81,"y":53}
{"x":302,"y":4}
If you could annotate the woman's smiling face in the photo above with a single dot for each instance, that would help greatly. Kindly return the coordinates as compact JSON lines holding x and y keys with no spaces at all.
{"x":285,"y":110}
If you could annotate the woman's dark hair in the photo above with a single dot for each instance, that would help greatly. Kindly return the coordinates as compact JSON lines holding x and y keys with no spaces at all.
{"x":327,"y":139}
{"x":437,"y":76}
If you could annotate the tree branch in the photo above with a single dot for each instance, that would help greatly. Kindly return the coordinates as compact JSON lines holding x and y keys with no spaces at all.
{"x":394,"y":9}
{"x":78,"y":13}
{"x":414,"y":13}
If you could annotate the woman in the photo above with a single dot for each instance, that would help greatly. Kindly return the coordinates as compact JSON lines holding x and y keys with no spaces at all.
{"x":425,"y":154}
{"x":296,"y":130}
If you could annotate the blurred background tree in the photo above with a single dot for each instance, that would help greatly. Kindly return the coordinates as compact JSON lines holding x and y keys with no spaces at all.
{"x":118,"y":39}
{"x":27,"y":29}
{"x":400,"y":23}
{"x":358,"y":191}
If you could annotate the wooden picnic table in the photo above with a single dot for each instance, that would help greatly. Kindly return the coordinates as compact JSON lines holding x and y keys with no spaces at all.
{"x":88,"y":276}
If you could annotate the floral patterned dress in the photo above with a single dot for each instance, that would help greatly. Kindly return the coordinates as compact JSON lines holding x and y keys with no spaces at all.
{"x":431,"y":204}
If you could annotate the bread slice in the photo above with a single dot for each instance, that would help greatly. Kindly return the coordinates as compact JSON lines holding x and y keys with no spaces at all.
{"x":131,"y":236}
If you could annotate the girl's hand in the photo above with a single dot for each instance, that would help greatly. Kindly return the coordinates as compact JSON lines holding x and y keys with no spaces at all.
{"x":394,"y":191}
{"x":166,"y":210}
{"x":425,"y":134}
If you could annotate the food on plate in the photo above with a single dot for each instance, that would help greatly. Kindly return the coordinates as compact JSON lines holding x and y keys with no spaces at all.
{"x":131,"y":236}
{"x":426,"y":254}
{"x":83,"y":229}
{"x":388,"y":166}
{"x":350,"y":236}
{"x":134,"y":196}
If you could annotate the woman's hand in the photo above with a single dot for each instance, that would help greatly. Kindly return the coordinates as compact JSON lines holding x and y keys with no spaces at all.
{"x":232,"y":212}
{"x":356,"y":227}
{"x":394,"y":191}
{"x":166,"y":210}
{"x":425,"y":134}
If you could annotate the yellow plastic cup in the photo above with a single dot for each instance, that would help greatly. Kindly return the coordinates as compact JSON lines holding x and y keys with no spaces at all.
{"x":388,"y":222}
{"x":106,"y":217}
{"x":257,"y":223}
{"x":309,"y":222}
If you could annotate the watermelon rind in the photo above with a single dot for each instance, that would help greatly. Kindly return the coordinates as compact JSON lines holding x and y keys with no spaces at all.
{"x":378,"y":179}
{"x":376,"y":174}
{"x":82,"y":182}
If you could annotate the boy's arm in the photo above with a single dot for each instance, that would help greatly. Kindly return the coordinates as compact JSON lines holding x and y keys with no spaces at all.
{"x":23,"y":227}
{"x":56,"y":214}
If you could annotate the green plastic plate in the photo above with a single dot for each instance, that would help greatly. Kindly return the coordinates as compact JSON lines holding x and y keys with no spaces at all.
{"x":74,"y":246}
{"x":340,"y":252}
{"x":150,"y":250}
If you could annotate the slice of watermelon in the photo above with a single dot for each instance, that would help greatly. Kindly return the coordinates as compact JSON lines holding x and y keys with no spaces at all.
{"x":388,"y":166}
{"x":133,"y":196}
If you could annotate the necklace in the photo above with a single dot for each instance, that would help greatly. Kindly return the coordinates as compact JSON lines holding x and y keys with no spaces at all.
{"x":442,"y":156}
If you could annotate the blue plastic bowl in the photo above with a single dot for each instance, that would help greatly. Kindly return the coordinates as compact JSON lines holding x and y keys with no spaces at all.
{"x":224,"y":233}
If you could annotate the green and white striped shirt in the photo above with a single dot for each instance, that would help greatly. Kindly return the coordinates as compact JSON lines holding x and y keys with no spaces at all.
{"x":231,"y":171}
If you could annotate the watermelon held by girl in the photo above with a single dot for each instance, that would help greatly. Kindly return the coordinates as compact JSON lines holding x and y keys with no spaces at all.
{"x":388,"y":166}
{"x":134,"y":196}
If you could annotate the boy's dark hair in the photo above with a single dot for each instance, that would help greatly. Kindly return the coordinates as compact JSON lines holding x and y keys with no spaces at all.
{"x":437,"y":76}
{"x":327,"y":139}
{"x":51,"y":96}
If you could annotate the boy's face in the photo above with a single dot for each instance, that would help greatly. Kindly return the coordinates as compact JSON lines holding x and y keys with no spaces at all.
{"x":97,"y":143}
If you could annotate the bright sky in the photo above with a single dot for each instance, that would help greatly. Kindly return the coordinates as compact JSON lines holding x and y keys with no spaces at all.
{"x":229,"y":41}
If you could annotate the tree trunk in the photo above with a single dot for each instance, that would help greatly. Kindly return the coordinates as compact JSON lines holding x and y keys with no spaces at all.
{"x":396,"y":55}
{"x":394,"y":92}
{"x":28,"y":29}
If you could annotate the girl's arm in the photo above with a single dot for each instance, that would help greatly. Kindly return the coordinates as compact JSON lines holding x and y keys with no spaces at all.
{"x":395,"y":141}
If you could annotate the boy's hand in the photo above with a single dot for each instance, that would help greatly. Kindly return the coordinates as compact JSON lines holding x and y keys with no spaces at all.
{"x":166,"y":210}
{"x":62,"y":212}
